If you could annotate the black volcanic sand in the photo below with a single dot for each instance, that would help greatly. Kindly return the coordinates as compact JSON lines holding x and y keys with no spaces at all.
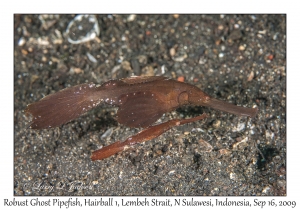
{"x":237,"y":58}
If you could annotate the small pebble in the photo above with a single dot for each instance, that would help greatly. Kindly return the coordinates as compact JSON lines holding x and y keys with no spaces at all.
{"x":131,"y":18}
{"x":21,"y":42}
{"x":180,"y":79}
{"x":91,"y":58}
{"x":172,"y":52}
{"x":270,"y":57}
{"x":242,"y":48}
{"x":250,"y":76}
{"x":176,"y":16}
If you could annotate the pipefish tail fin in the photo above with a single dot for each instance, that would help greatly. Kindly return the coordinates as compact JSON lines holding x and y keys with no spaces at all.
{"x":63,"y":106}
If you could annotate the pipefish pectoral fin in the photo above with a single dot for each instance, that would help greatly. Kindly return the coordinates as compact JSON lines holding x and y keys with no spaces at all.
{"x":140,"y":109}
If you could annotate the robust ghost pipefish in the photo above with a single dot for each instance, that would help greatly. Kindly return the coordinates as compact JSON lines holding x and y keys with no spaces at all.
{"x":141,"y":101}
